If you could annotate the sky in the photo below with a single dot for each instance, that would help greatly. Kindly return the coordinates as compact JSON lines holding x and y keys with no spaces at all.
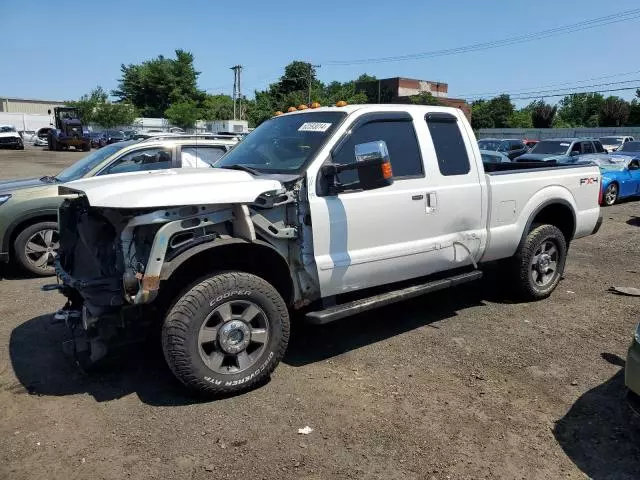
{"x":61,"y":50}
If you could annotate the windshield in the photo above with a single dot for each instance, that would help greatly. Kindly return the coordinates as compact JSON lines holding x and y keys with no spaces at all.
{"x":6,"y":129}
{"x":88,"y":163}
{"x":489,"y":144}
{"x":630,"y":147}
{"x":551,"y":147}
{"x":283,"y":144}
{"x":609,"y":141}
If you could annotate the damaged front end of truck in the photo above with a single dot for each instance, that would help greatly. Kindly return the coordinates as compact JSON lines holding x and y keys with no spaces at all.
{"x":121,"y":268}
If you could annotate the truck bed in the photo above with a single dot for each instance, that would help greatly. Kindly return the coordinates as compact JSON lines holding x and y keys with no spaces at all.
{"x":518,"y":194}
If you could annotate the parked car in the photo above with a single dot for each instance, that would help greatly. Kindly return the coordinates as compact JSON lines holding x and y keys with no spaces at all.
{"x":114,"y":136}
{"x":632,"y":372}
{"x":28,"y":208}
{"x":42,"y":137}
{"x":98,"y":139}
{"x":489,"y":156}
{"x":563,"y":149}
{"x":511,"y":148}
{"x":310,"y":206}
{"x":611,"y":144}
{"x":620,"y":178}
{"x":629,"y":148}
{"x":10,"y":138}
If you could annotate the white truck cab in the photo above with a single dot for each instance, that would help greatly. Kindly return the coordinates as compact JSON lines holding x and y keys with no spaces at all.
{"x":310,"y":207}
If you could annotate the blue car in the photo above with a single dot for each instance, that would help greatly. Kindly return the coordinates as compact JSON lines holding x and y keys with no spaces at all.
{"x":620,"y":178}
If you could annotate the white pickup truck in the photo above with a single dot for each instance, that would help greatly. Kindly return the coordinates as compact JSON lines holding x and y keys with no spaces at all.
{"x":329,"y":211}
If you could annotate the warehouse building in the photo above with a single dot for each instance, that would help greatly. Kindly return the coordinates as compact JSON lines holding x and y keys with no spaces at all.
{"x":27,"y":105}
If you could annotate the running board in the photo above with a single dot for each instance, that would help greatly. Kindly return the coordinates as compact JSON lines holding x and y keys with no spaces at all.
{"x":337,"y":312}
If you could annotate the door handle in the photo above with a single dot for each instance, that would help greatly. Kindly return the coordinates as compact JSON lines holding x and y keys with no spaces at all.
{"x":431,"y":202}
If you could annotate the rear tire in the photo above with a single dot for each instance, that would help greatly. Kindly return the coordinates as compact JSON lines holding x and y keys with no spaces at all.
{"x":610,"y":196}
{"x":36,"y":247}
{"x":539,"y":262}
{"x":226,"y":334}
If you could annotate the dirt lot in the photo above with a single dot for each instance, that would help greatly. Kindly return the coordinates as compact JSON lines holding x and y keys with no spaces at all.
{"x":456,"y":385}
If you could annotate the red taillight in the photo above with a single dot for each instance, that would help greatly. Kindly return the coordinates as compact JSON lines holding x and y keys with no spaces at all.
{"x":600,"y":195}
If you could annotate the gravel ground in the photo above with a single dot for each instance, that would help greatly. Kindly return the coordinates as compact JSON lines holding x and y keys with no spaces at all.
{"x":462,"y":384}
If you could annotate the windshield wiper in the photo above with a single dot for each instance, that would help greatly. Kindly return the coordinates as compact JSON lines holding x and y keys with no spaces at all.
{"x":244,"y":168}
{"x":49,"y":179}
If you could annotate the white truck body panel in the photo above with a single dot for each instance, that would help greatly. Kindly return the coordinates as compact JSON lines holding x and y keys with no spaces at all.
{"x":173,"y":187}
{"x":364,"y":239}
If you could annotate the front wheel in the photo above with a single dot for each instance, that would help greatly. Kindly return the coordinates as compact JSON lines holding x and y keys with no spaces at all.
{"x":36,"y":248}
{"x":226,"y":334}
{"x":540,"y":262}
{"x":611,"y":194}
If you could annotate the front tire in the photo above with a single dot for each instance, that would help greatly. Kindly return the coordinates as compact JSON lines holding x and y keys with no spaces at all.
{"x":610,"y":196}
{"x":540,"y":261}
{"x":36,"y":248}
{"x":226,"y":334}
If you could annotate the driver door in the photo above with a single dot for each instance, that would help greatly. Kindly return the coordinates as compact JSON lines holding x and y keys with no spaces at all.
{"x":631,"y":185}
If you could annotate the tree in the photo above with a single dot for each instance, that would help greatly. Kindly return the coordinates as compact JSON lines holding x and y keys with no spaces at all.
{"x":501,"y":109}
{"x":153,"y":85}
{"x":217,"y":107}
{"x":521,"y":118}
{"x":614,"y":112}
{"x":481,"y":115}
{"x":110,"y":115}
{"x":581,"y":109}
{"x":424,"y":98}
{"x":87,"y":104}
{"x":184,"y":115}
{"x":542,"y":114}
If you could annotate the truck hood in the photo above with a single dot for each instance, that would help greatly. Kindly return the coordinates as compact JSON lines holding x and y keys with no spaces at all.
{"x":10,"y":186}
{"x":10,"y":135}
{"x":174,"y":187}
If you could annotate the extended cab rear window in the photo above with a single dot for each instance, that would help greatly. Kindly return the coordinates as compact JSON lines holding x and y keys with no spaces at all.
{"x":448,"y":143}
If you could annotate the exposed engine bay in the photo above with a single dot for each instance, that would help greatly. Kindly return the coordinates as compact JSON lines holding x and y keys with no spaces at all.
{"x":111,"y":260}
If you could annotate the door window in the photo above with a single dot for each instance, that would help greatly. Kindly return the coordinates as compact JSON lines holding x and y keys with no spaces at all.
{"x":450,"y":149}
{"x":587,"y":147}
{"x":576,"y":147}
{"x":402,"y":143}
{"x":599,"y":147}
{"x":201,"y":156}
{"x":140,"y":160}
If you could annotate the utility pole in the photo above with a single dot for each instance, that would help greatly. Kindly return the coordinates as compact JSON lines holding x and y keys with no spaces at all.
{"x":237,"y":91}
{"x":311,"y":67}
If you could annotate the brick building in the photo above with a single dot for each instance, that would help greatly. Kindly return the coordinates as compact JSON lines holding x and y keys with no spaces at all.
{"x":398,"y":90}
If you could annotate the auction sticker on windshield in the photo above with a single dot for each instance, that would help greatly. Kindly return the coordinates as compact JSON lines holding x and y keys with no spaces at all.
{"x":314,"y":127}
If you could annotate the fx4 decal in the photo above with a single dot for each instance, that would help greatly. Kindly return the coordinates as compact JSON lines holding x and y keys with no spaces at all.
{"x":588,"y":181}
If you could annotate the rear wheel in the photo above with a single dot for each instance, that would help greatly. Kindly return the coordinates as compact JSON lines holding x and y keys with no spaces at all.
{"x":36,"y":248}
{"x":611,"y":194}
{"x":539,"y":262}
{"x":226,"y":334}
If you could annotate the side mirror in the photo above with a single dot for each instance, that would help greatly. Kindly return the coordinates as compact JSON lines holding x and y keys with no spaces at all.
{"x":574,"y":153}
{"x":372,"y":163}
{"x":634,"y":166}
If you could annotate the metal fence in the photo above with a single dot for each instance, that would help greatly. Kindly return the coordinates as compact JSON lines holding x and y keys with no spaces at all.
{"x":542,"y":133}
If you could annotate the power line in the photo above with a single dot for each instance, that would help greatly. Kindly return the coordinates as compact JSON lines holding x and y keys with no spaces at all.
{"x":526,"y":89}
{"x":558,"y":90}
{"x":571,"y":28}
{"x":577,"y":93}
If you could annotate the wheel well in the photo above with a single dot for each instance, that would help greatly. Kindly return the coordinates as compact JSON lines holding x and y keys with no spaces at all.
{"x":559,"y":215}
{"x":27,"y":223}
{"x":258,"y":260}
